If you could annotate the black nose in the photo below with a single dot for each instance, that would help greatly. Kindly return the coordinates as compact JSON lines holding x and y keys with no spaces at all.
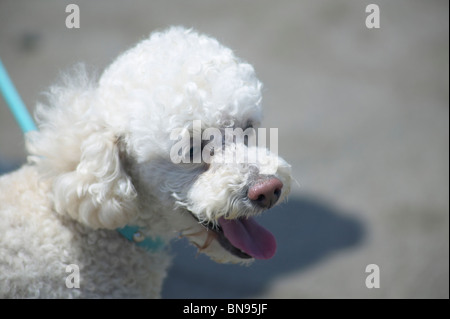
{"x":265,"y":193}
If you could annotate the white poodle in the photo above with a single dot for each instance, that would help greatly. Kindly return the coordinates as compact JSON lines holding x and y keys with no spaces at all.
{"x":104,"y":158}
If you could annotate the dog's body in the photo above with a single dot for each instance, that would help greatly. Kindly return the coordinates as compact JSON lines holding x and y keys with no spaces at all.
{"x":37,"y":245}
{"x":102,"y":160}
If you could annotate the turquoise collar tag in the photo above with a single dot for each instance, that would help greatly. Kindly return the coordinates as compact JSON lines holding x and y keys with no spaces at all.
{"x":133,"y":234}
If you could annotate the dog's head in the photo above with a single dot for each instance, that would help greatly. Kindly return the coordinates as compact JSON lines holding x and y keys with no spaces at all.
{"x":169,"y":140}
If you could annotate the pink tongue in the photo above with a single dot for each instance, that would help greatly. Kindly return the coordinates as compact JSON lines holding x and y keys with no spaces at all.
{"x":249,"y":236}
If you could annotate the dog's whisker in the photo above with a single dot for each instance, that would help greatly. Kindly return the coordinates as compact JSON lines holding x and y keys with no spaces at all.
{"x":211,"y":236}
{"x":191,"y":234}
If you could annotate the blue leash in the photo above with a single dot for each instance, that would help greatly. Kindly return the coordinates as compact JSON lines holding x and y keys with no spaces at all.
{"x":14,"y":102}
{"x":26,"y":123}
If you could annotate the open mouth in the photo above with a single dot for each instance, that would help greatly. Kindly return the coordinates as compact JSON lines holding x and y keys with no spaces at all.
{"x":244,"y":238}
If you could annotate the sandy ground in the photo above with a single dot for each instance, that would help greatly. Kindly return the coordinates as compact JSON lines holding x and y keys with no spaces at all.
{"x":363,"y":117}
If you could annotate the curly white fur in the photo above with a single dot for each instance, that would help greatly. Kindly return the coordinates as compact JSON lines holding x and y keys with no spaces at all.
{"x":101,"y":160}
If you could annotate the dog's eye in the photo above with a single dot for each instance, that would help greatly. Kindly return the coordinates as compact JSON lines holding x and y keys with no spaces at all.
{"x":249,"y":134}
{"x":195,"y":154}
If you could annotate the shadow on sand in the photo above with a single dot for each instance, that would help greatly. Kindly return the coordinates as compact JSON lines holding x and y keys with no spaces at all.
{"x":307,"y":230}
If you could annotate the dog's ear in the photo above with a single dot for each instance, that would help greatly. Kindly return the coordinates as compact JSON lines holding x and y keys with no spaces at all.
{"x":79,"y":152}
{"x":97,"y":192}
